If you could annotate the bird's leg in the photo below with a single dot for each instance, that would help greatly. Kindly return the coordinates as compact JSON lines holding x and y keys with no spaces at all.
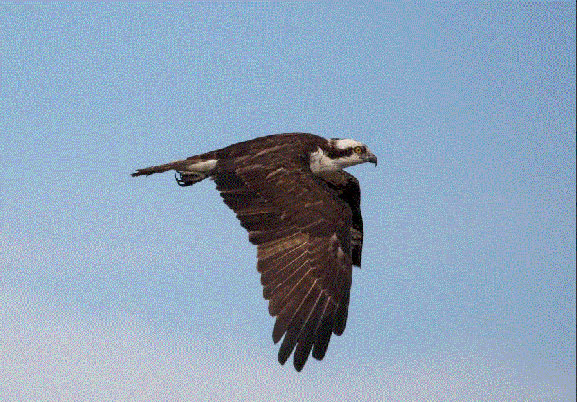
{"x":184,"y":179}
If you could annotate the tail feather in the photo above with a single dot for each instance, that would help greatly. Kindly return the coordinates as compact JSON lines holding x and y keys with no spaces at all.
{"x":176,"y":165}
{"x":188,"y":171}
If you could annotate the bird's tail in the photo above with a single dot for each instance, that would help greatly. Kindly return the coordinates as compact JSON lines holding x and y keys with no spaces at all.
{"x":188,"y":171}
{"x":176,"y":165}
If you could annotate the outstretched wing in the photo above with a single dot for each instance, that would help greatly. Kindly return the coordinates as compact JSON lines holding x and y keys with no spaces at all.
{"x":302,"y":229}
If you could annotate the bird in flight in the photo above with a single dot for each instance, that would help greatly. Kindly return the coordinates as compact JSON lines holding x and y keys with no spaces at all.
{"x":302,"y":211}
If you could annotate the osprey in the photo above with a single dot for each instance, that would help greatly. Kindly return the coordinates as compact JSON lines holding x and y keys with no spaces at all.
{"x":302,"y":211}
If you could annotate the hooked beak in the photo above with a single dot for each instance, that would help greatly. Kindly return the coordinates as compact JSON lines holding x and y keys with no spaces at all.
{"x":371,"y":158}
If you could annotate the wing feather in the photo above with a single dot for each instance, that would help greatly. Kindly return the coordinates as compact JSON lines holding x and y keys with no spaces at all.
{"x":290,"y":309}
{"x":297,"y":324}
{"x":277,"y":278}
{"x":323,"y":333}
{"x":307,"y":336}
{"x":290,"y":283}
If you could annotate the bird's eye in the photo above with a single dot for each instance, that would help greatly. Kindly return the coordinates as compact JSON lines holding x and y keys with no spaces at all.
{"x":358,"y":150}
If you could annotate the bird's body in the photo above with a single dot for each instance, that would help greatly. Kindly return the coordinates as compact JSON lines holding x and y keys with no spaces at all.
{"x":303,"y":212}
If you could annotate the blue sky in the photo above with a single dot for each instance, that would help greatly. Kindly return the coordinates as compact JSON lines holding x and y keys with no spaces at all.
{"x":120,"y":288}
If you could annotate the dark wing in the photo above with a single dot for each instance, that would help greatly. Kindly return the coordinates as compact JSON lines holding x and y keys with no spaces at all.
{"x":303,"y":233}
{"x":347,"y":188}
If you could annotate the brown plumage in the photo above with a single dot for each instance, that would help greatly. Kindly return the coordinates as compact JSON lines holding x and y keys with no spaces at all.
{"x":307,"y":228}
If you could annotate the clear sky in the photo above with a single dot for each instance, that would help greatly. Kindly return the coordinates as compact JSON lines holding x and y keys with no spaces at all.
{"x":114,"y":287}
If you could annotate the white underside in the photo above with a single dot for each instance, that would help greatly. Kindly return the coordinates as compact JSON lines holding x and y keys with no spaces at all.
{"x":202,"y":167}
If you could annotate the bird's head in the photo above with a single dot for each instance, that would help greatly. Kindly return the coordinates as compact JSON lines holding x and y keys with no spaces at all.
{"x":340,"y":154}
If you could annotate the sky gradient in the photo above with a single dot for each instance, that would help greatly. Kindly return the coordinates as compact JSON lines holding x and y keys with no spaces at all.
{"x":114,"y":287}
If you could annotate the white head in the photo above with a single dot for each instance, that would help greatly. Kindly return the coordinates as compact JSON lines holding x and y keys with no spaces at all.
{"x":339,"y":154}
